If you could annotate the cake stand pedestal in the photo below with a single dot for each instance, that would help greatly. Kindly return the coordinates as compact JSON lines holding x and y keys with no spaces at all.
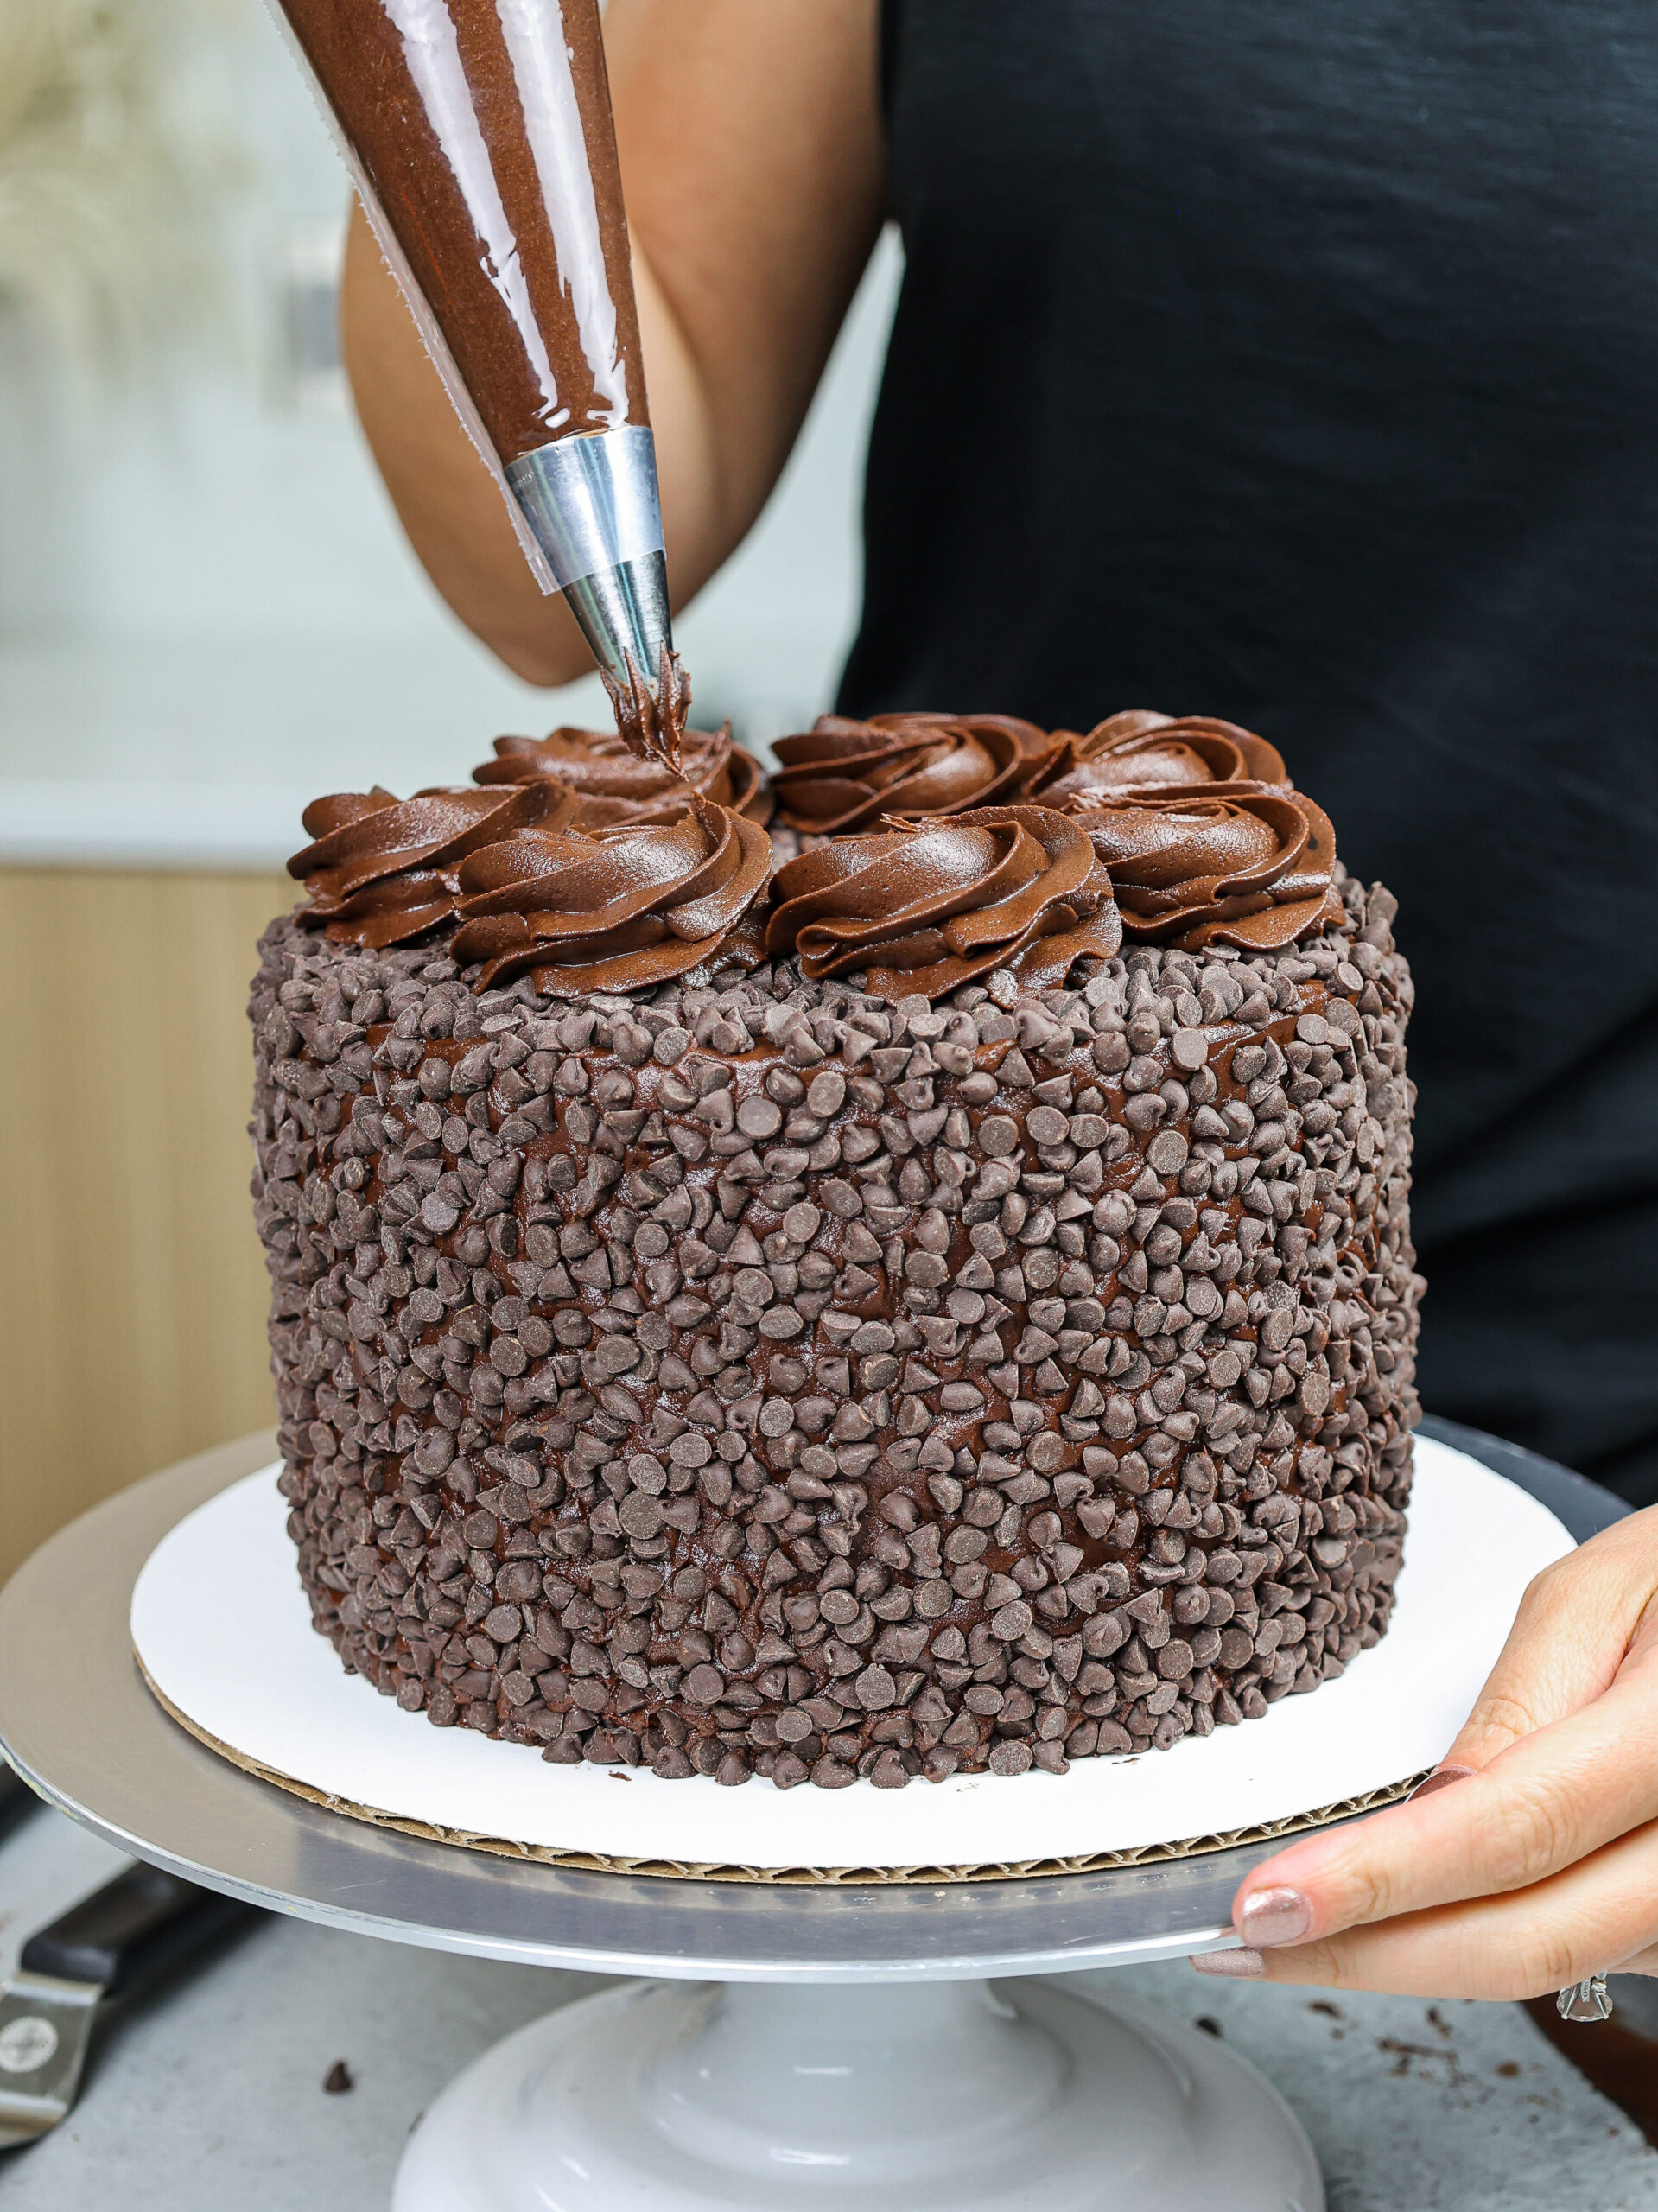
{"x":858,"y":2045}
{"x":986,"y":2095}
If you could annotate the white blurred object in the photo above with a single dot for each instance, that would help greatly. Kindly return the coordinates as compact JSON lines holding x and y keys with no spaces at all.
{"x":113,"y":169}
{"x":307,"y":374}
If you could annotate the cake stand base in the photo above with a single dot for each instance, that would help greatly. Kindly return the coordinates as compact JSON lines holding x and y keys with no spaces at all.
{"x":971,"y":2095}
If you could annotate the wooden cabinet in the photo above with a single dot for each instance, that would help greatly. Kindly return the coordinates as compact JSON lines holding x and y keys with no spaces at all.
{"x":132,"y":1289}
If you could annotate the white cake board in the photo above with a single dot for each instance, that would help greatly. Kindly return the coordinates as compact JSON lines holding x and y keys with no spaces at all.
{"x":222,"y":1631}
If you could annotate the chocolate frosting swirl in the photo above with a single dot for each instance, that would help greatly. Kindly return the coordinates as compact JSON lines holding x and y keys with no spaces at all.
{"x":652,"y":725}
{"x":613,"y":785}
{"x":1139,"y":750}
{"x":841,"y":775}
{"x":923,"y":907}
{"x":618,"y":910}
{"x":382,"y":869}
{"x":1239,"y":863}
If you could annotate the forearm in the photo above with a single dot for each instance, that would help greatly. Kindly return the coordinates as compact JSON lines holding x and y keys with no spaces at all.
{"x":449,"y":504}
{"x":751,"y":155}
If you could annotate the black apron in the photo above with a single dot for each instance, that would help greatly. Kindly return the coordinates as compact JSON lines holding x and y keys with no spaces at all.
{"x":1299,"y":363}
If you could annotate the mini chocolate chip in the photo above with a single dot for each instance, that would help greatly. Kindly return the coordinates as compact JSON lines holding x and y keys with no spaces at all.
{"x":1167,"y":1153}
{"x":640,"y":1514}
{"x":1189,"y":1049}
{"x":759,"y":1117}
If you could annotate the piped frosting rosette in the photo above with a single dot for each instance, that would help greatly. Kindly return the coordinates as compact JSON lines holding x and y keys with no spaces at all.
{"x":617,"y":910}
{"x":381,"y":870}
{"x":923,"y":908}
{"x":843,"y":775}
{"x":613,"y":785}
{"x":1139,"y":750}
{"x":1239,"y":864}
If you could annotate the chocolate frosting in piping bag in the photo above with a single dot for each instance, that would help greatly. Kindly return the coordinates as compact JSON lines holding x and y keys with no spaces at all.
{"x":480,"y":136}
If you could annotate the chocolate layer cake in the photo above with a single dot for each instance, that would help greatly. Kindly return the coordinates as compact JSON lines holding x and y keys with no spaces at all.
{"x":948,"y":1307}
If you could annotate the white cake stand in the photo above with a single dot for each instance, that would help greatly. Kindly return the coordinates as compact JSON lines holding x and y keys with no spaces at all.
{"x":865,"y":2045}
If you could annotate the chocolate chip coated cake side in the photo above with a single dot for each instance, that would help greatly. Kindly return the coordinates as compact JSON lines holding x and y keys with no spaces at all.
{"x":767,"y":1379}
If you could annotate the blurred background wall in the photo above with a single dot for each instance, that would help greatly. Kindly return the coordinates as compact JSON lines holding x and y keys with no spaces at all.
{"x":208,"y":616}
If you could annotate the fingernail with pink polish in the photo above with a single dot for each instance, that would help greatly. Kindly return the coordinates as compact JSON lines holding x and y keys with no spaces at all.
{"x":1243,"y":1965}
{"x":1441,"y":1778}
{"x":1269,"y":1917}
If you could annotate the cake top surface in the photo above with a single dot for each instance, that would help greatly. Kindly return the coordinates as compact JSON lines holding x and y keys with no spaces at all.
{"x":841,"y":775}
{"x":612,"y":786}
{"x":942,"y":848}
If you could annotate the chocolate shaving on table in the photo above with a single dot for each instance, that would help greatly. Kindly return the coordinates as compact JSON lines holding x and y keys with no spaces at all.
{"x":652,"y":725}
{"x":618,"y":910}
{"x":923,"y":908}
{"x":1240,"y":864}
{"x":841,"y":775}
{"x":611,"y":785}
{"x":1141,"y":749}
{"x":382,"y":870}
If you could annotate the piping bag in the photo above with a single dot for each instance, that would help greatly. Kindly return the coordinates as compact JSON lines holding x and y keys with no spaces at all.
{"x":479,"y":135}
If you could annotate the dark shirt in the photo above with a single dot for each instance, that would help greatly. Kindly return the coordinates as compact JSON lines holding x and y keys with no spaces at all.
{"x":1299,"y":363}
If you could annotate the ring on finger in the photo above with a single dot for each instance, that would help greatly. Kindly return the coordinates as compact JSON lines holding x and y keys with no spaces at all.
{"x":1584,"y":2001}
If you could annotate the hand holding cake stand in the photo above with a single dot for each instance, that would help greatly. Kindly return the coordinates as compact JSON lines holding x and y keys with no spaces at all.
{"x":842,"y":2004}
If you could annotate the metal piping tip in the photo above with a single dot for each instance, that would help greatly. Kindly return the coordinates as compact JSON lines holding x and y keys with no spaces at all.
{"x":623,"y":611}
{"x":592,"y":505}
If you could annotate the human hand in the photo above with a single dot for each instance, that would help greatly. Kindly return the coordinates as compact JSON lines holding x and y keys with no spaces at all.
{"x":1529,"y":1858}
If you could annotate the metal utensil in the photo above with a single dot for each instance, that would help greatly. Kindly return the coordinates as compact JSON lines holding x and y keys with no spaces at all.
{"x":106,"y":1947}
{"x":593,"y":508}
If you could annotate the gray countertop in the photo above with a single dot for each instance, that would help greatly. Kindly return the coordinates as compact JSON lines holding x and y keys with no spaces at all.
{"x":210,"y":2092}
